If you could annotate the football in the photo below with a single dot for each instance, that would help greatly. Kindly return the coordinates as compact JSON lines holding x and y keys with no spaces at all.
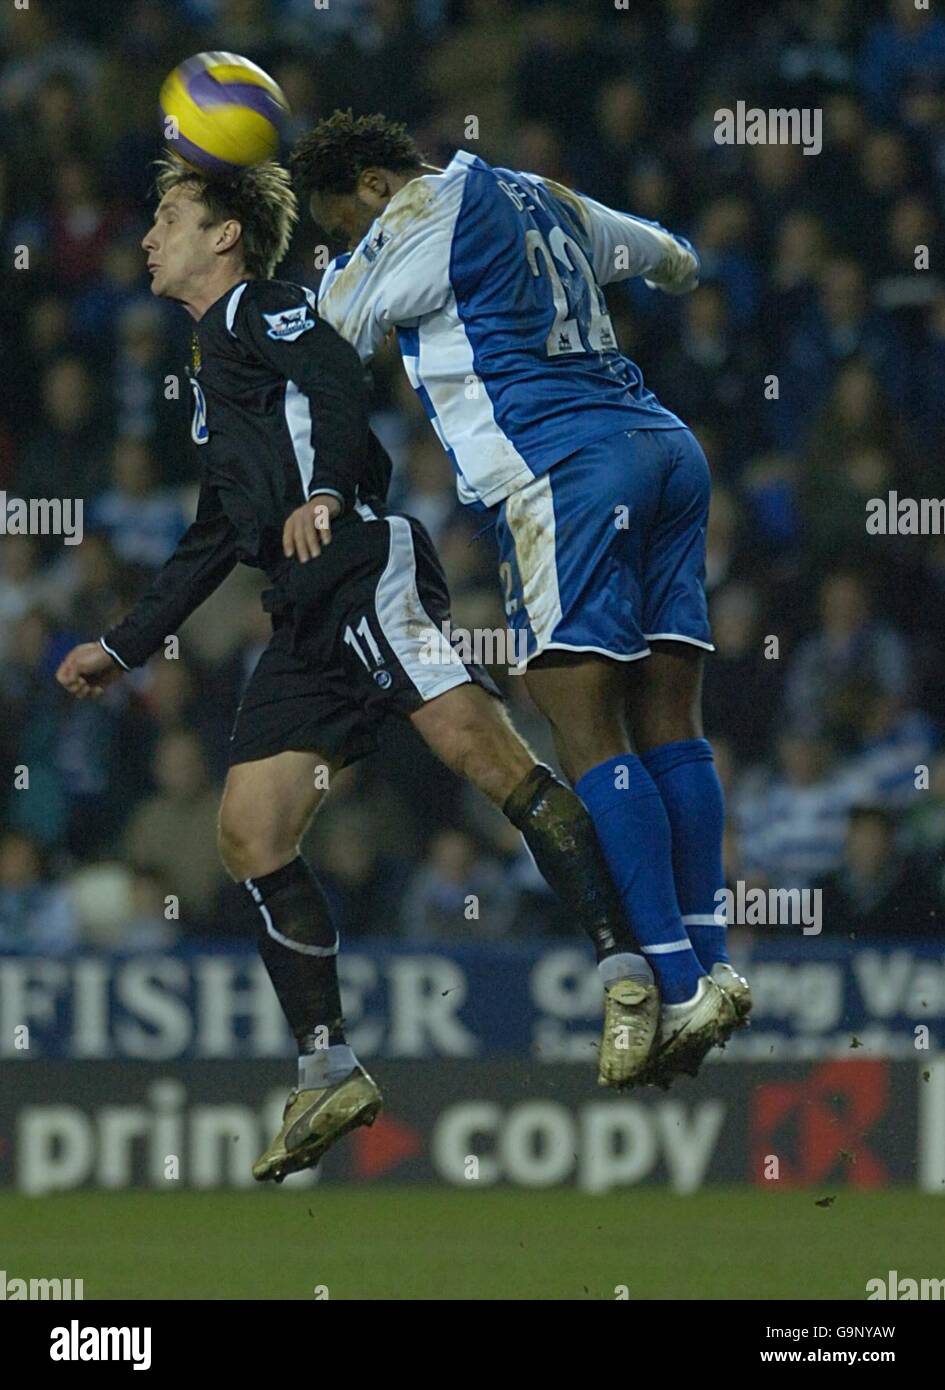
{"x":222,"y":112}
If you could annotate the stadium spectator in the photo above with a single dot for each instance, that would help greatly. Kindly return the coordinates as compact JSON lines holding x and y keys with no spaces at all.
{"x":37,"y":800}
{"x":724,"y":539}
{"x":909,"y":42}
{"x":894,"y":742}
{"x":222,"y":683}
{"x":35,"y":912}
{"x":147,"y":387}
{"x":876,"y":892}
{"x":797,"y":258}
{"x":561,"y":64}
{"x":740,"y":684}
{"x":835,"y":505}
{"x":86,"y":584}
{"x":850,"y":647}
{"x":79,"y":767}
{"x":724,"y":236}
{"x":64,"y":456}
{"x":711,"y":375}
{"x":22,"y":584}
{"x":147,"y":928}
{"x":362,"y":878}
{"x":791,"y":827}
{"x":81,"y":223}
{"x":173,"y":833}
{"x":923,"y":825}
{"x":143,"y":522}
{"x":840,"y":325}
{"x":857,"y":412}
{"x":457,"y":894}
{"x":99,"y":309}
{"x":174,"y":693}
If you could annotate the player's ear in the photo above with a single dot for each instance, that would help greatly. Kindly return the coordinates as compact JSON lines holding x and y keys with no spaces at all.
{"x":375,"y":183}
{"x":229,"y":234}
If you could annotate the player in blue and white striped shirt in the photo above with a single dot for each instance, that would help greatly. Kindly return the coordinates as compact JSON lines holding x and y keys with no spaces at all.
{"x":492,"y":280}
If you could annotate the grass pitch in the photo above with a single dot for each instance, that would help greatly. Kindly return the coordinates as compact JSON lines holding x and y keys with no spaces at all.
{"x":439,"y":1243}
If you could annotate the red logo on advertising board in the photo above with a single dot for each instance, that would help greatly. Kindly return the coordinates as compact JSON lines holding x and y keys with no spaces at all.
{"x":817,"y":1121}
{"x":387,"y":1143}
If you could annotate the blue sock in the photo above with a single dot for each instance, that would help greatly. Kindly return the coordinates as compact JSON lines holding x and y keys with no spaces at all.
{"x":687,"y":780}
{"x":633,"y":828}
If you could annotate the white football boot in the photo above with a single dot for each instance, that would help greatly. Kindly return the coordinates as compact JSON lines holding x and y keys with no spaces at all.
{"x":631,"y":1019}
{"x":736,"y":987}
{"x":689,"y":1030}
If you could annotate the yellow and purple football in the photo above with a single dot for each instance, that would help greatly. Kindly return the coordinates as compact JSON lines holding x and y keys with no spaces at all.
{"x":222,"y":112}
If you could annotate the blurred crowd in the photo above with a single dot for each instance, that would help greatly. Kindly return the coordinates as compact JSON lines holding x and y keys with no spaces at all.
{"x":810,"y":362}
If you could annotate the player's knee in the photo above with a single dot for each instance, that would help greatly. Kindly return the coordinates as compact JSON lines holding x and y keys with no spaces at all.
{"x":666,"y":725}
{"x":667,"y":705}
{"x":250,"y":848}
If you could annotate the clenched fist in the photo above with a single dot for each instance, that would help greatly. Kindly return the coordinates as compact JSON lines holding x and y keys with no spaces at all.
{"x":87,"y":670}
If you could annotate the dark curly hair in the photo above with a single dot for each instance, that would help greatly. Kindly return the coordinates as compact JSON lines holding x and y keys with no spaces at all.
{"x":331,"y":157}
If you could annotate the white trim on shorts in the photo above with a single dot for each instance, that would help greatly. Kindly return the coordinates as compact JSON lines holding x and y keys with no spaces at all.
{"x":398,"y":606}
{"x":598,"y":651}
{"x":534,"y":506}
{"x":678,"y":637}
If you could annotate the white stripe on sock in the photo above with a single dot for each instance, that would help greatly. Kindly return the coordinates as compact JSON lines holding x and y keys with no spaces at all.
{"x":286,"y":941}
{"x":666,"y":948}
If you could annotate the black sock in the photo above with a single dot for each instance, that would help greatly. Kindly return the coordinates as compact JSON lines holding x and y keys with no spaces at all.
{"x":299,"y":947}
{"x":561,"y":836}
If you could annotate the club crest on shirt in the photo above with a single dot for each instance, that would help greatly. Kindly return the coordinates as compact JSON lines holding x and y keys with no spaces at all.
{"x":371,"y":249}
{"x":199,"y":432}
{"x":289,"y":324}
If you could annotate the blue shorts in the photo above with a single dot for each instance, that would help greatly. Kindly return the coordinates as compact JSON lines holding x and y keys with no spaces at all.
{"x":606,"y":551}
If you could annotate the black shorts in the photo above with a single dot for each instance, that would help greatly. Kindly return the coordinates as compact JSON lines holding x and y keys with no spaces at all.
{"x":357,"y":635}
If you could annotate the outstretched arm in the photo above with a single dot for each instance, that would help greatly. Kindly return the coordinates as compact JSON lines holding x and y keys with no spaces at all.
{"x":204,"y":556}
{"x":623,"y":246}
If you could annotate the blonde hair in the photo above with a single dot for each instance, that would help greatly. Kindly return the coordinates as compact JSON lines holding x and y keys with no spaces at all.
{"x":259,"y":198}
